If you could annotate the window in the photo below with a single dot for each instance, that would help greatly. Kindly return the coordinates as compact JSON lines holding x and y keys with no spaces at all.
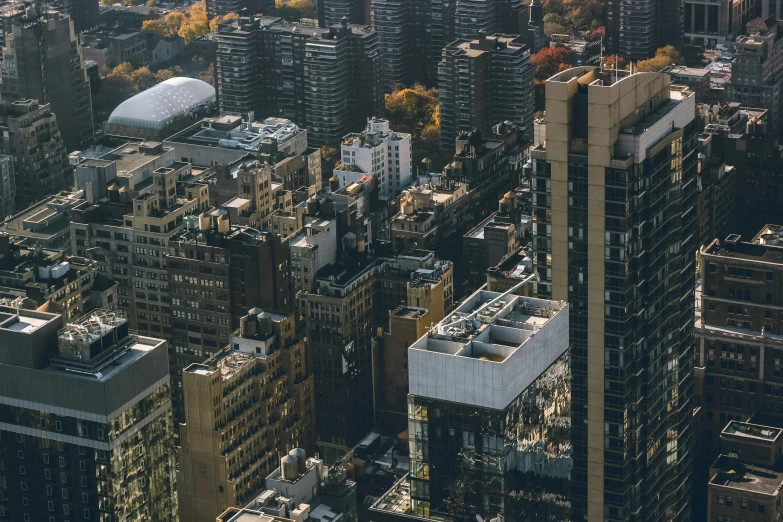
{"x":761,"y":507}
{"x":729,"y":502}
{"x":721,"y":500}
{"x":743,"y":504}
{"x":21,"y":470}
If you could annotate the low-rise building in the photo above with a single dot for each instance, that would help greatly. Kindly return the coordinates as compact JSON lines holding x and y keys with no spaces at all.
{"x":243,"y":407}
{"x":499,"y":235}
{"x":226,"y":139}
{"x":302,"y":489}
{"x":745,"y":481}
{"x":50,"y":280}
{"x":512,"y":270}
{"x":109,"y":47}
{"x":380,"y":151}
{"x":46,"y":223}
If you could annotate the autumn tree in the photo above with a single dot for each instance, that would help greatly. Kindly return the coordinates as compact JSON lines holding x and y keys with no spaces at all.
{"x":294,"y":10}
{"x":416,"y":110}
{"x":570,"y":16}
{"x":615,"y":62}
{"x":550,"y":61}
{"x":189,"y":23}
{"x":664,"y":57}
{"x":213,"y":24}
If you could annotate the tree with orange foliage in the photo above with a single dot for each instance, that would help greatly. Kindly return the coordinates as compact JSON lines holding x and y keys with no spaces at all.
{"x":613,"y":61}
{"x":550,"y":61}
{"x":213,"y":24}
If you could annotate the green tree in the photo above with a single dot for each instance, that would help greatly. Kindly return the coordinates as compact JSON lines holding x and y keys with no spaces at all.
{"x":294,"y":10}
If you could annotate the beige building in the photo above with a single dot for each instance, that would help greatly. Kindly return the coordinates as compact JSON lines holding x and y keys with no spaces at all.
{"x":614,"y":233}
{"x":244,"y":407}
{"x":128,"y":236}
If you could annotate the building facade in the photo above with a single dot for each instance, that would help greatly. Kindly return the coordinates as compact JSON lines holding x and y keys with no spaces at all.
{"x":31,"y":136}
{"x":42,"y":61}
{"x":476,"y":386}
{"x":629,"y":134}
{"x":465,"y":73}
{"x":87,"y":430}
{"x":381,"y":152}
{"x":243,"y":407}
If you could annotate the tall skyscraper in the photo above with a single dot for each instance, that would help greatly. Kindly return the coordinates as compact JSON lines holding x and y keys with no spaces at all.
{"x":615,"y":235}
{"x":31,"y":135}
{"x":333,"y":12}
{"x":328,"y":80}
{"x":484,"y":82}
{"x":635,"y":29}
{"x":86,"y":420}
{"x":393,"y":21}
{"x":84,"y":14}
{"x":238,"y":71}
{"x":42,"y":61}
{"x":342,"y":78}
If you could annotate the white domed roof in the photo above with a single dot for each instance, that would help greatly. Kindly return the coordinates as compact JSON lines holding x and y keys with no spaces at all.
{"x":158,"y":105}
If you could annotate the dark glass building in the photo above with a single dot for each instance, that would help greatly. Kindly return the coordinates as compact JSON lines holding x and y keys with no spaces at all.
{"x":489,"y":412}
{"x":614,"y":231}
{"x":85,"y":420}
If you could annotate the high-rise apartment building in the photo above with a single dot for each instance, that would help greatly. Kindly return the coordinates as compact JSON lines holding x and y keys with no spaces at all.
{"x":86,"y":420}
{"x":480,"y":445}
{"x":214,"y":270}
{"x":237,"y":66}
{"x":31,"y":136}
{"x":244,"y":406}
{"x":327,"y":79}
{"x":393,"y":21}
{"x":381,"y":152}
{"x":635,"y":29}
{"x":484,"y":82}
{"x":42,"y":61}
{"x":343,"y":82}
{"x":334,"y":12}
{"x":7,"y":186}
{"x":619,"y":249}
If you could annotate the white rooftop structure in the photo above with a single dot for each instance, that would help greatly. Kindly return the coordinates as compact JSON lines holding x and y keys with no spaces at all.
{"x":159,"y":105}
{"x":489,"y":350}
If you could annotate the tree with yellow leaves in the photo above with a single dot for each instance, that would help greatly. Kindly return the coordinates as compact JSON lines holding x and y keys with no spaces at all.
{"x":416,"y":110}
{"x":664,"y":57}
{"x":294,"y":10}
{"x":213,"y":24}
{"x":189,"y":24}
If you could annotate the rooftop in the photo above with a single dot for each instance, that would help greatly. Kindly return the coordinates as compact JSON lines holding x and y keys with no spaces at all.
{"x":489,"y":349}
{"x":231,"y":132}
{"x":766,"y":246}
{"x":732,"y":473}
{"x":160,"y":104}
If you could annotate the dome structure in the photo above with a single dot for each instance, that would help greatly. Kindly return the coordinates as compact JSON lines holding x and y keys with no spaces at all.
{"x":159,"y":105}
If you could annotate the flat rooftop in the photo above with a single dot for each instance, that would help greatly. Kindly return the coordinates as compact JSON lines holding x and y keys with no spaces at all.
{"x":493,"y":346}
{"x":751,"y":478}
{"x":22,"y":323}
{"x":138,"y":348}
